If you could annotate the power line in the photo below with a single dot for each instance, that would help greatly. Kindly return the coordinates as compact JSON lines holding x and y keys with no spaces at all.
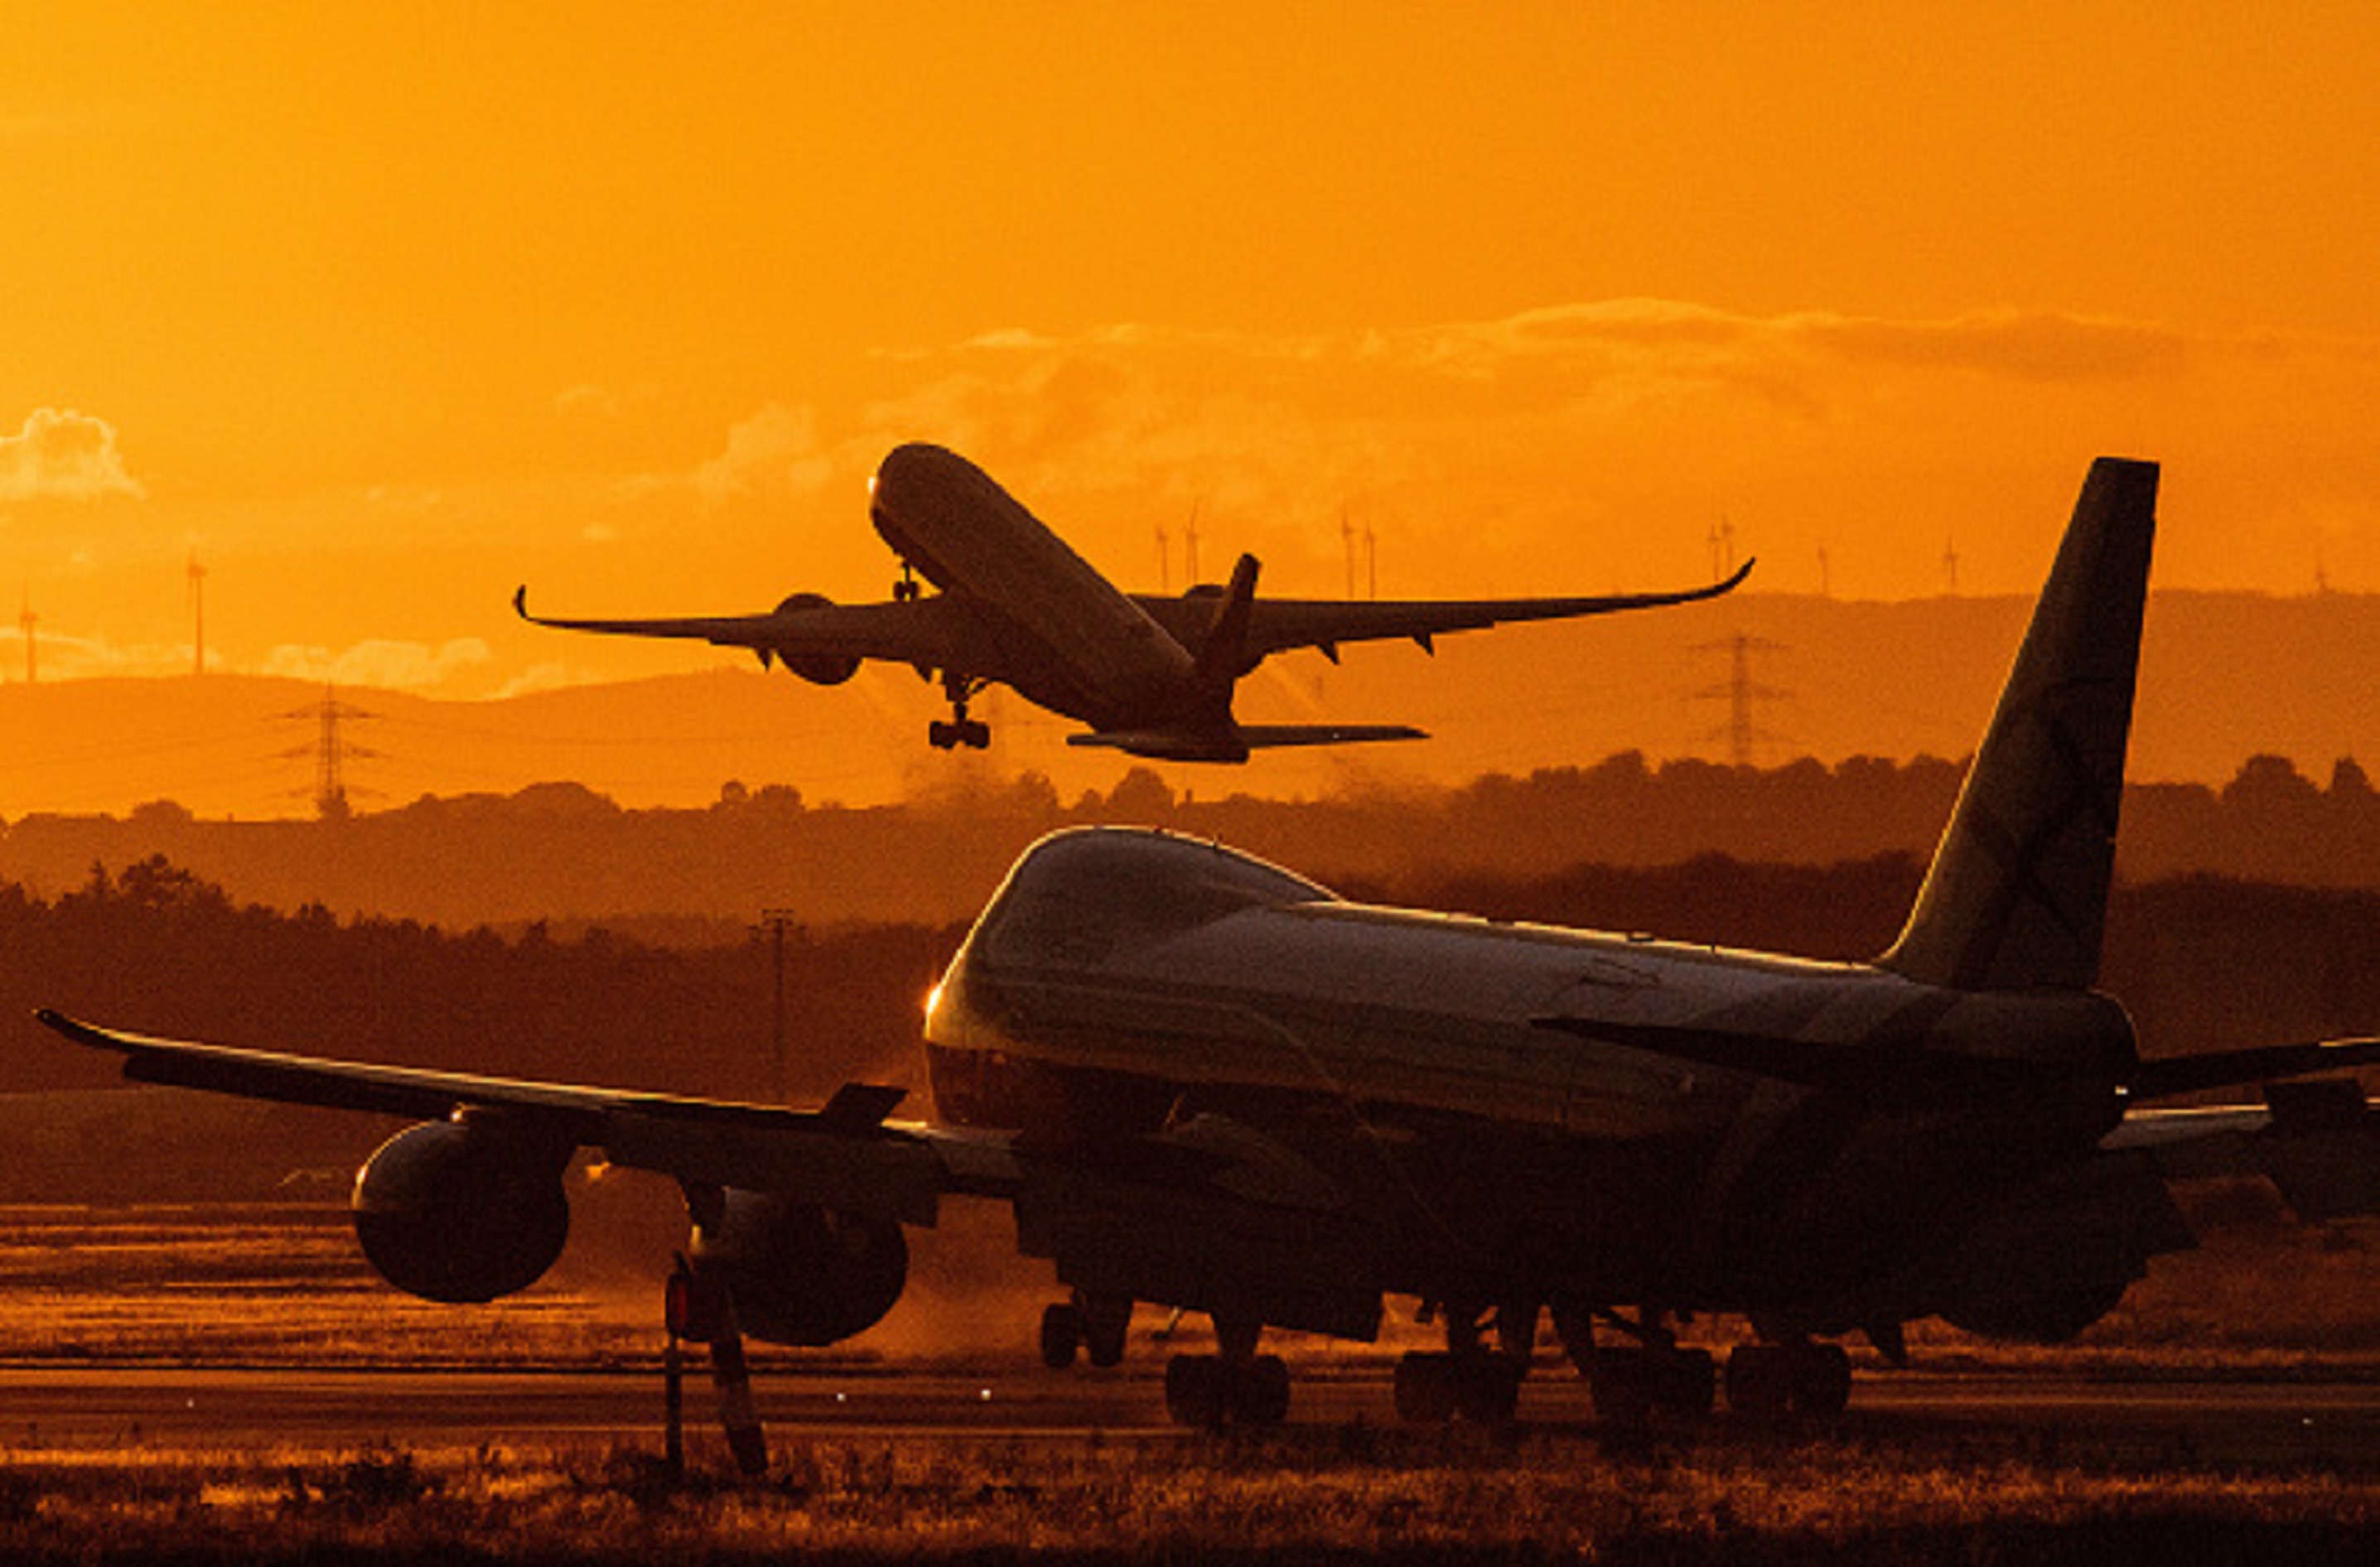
{"x":1742,"y":694}
{"x":331,"y":751}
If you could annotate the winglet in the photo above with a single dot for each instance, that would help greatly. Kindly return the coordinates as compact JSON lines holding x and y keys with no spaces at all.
{"x":80,"y":1033}
{"x":520,"y":603}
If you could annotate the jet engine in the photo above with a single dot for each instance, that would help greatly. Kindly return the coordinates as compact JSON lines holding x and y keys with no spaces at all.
{"x":2044,"y":1316}
{"x":2042,"y":1273}
{"x":820,"y":668}
{"x":462,"y":1211}
{"x":802,"y":1274}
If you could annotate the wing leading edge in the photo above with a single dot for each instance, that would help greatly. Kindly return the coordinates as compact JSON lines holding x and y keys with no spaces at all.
{"x":937,"y":632}
{"x":844,"y":1154}
{"x":1278,"y":625}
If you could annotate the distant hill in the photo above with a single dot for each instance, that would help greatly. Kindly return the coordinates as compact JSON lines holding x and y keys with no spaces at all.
{"x":564,"y":854}
{"x":2224,"y":676}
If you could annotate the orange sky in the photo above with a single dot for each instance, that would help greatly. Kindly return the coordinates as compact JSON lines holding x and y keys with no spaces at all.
{"x":386,"y":309}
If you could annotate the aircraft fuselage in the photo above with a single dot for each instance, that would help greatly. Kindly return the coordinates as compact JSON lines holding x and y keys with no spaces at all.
{"x":1072,"y":642}
{"x":1470,"y":1089}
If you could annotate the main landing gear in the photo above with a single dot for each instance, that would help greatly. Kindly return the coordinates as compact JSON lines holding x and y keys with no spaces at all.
{"x":1088,"y":1324}
{"x":962,"y":730}
{"x":1653,"y":1375}
{"x":697,"y":1305}
{"x":1797,"y":1380}
{"x":1236,"y":1386}
{"x":1470,"y":1380}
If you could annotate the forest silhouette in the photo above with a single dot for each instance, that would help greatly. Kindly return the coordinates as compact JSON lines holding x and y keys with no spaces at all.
{"x":567,"y":855}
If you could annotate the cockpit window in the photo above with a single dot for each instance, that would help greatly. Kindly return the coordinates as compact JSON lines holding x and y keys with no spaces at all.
{"x":1081,"y":896}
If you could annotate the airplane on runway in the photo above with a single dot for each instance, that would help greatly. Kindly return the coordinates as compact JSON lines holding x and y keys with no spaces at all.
{"x":1152,"y":675}
{"x":1206,"y":1083}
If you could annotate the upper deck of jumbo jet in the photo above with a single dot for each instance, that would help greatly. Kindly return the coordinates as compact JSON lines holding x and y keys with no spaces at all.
{"x":1084,"y":895}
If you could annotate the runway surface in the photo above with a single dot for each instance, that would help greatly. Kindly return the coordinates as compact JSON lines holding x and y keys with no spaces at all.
{"x":2327,"y":1424}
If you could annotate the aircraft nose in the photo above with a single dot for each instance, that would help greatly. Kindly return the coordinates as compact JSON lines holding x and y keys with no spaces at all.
{"x":918,"y":465}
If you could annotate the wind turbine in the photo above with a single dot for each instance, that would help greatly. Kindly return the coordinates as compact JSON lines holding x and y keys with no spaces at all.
{"x":197,"y":577}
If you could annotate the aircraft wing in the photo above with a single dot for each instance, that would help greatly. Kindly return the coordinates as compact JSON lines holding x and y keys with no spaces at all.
{"x":1236,"y":1221}
{"x":940,"y":631}
{"x":1278,"y":625}
{"x":2317,"y":1141}
{"x":844,"y":1154}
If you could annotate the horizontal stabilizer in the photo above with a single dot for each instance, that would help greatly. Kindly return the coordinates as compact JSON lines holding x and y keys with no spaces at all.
{"x":1259,"y":735}
{"x":1235,"y":743}
{"x":1925,"y":1079}
{"x":2225,"y":1069}
{"x":1939,"y":1078}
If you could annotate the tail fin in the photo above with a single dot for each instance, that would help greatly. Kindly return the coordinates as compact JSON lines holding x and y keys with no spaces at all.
{"x":2017,"y":895}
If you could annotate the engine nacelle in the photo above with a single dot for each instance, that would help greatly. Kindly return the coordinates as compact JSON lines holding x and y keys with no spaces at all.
{"x":2044,"y":1316}
{"x":802,"y":1274}
{"x":819,"y":669}
{"x":461,"y":1212}
{"x":2042,"y":1273}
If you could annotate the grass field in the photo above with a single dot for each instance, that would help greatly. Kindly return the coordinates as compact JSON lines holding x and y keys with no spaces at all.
{"x":1346,"y":1493}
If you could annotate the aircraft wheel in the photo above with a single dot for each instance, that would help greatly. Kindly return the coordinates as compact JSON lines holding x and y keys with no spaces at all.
{"x":1822,"y":1384}
{"x":1487,"y":1389}
{"x":1760,"y":1380}
{"x":1259,"y":1390}
{"x":974,"y":733}
{"x":1629,"y":1385}
{"x":1425,"y":1393}
{"x":1688,"y":1383}
{"x":1106,"y":1323}
{"x":1772,"y":1382}
{"x":940,"y":735}
{"x":1195,"y":1391}
{"x":1061,"y":1334}
{"x":1621,"y":1387}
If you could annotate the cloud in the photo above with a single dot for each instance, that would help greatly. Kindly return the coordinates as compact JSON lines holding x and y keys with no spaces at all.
{"x":774,"y":454}
{"x":403,"y":500}
{"x":389,"y":665}
{"x":587,"y":400}
{"x":62,"y":454}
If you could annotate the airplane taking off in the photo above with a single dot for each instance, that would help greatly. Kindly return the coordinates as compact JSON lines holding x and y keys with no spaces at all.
{"x":1206,"y":1083}
{"x":1152,"y":675}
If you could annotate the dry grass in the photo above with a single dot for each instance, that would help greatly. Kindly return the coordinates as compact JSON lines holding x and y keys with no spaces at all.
{"x":241,"y":1285}
{"x":1346,"y":1493}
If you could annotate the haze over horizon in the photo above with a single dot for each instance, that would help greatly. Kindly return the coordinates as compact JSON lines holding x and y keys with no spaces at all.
{"x":372,"y":315}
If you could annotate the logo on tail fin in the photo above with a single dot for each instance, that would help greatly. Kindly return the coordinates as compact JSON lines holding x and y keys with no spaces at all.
{"x":2017,"y":895}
